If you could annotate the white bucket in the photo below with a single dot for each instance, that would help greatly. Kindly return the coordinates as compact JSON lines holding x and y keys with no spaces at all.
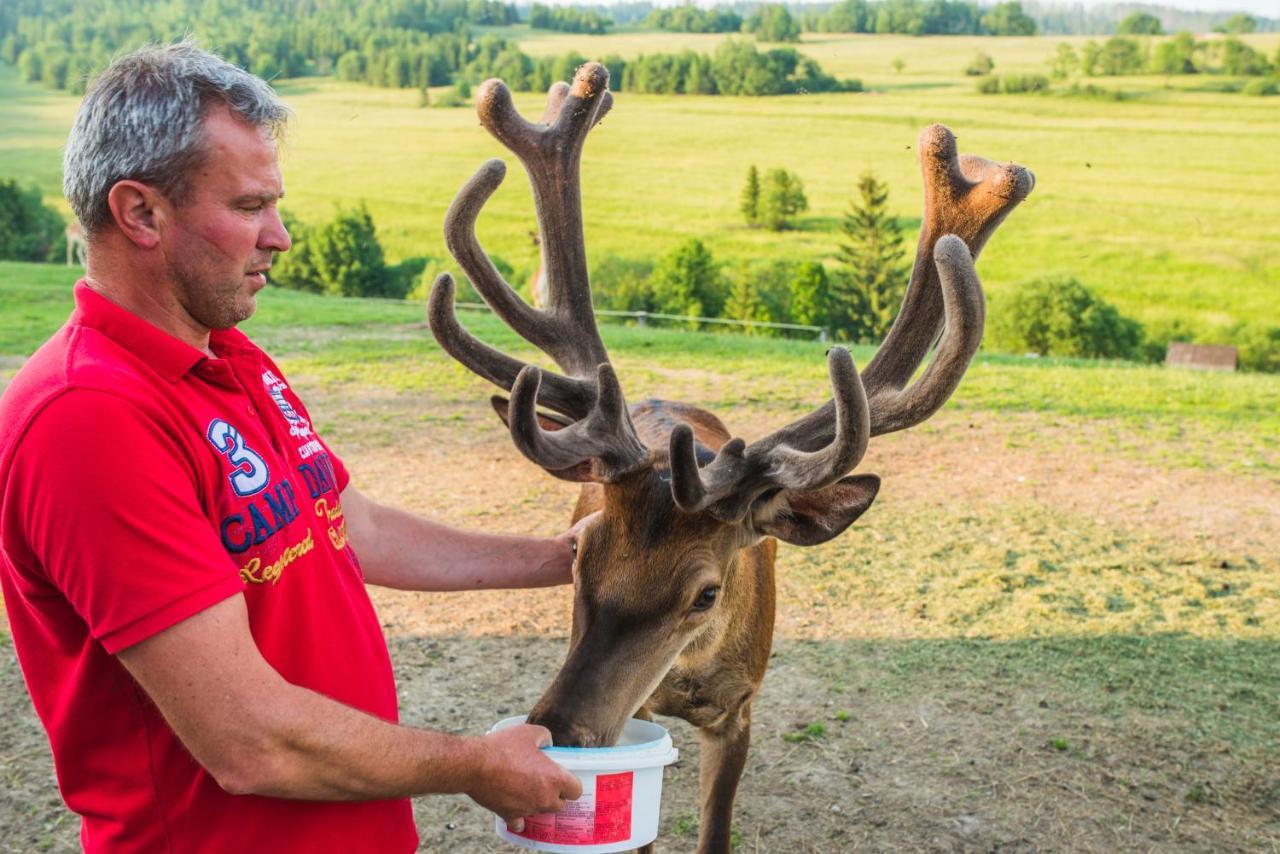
{"x":621,"y":792}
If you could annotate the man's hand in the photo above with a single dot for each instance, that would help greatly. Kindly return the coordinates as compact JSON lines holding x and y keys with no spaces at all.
{"x":569,"y":539}
{"x":515,"y":778}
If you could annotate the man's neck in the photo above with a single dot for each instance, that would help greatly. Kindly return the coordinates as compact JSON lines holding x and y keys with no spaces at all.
{"x":153,"y":301}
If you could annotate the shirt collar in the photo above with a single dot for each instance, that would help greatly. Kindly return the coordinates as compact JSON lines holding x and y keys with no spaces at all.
{"x":168,"y":356}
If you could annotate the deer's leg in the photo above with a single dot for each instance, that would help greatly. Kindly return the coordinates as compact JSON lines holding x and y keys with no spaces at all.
{"x":724,"y":754}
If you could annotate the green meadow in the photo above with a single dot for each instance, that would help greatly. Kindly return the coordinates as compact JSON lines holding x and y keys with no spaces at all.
{"x":1062,"y":614}
{"x":1159,"y":202}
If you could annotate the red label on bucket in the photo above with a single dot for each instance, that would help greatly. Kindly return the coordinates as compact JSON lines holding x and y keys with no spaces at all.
{"x":596,"y":818}
{"x":613,"y":807}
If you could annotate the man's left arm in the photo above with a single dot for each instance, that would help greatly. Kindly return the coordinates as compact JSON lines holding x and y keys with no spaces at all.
{"x":408,"y":552}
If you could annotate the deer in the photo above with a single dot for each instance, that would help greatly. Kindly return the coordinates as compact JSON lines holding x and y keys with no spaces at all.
{"x":674,"y":584}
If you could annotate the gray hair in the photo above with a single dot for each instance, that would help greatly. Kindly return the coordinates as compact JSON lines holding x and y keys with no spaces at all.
{"x":142,"y":120}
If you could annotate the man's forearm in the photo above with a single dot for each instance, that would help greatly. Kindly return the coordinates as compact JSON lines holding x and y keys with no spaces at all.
{"x":401,"y":550}
{"x":313,"y":748}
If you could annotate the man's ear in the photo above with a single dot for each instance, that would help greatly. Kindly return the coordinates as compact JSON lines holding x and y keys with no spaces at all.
{"x":815,"y":516}
{"x":581,"y":473}
{"x":133,"y":207}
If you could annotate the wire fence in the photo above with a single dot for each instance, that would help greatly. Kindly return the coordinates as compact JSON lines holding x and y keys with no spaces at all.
{"x":642,"y":318}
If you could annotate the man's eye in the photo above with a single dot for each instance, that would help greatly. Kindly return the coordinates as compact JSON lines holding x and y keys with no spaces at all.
{"x":706,"y":598}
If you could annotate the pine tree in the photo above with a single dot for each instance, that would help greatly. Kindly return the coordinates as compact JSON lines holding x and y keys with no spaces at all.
{"x":751,"y":197}
{"x":745,"y":302}
{"x":872,"y":277}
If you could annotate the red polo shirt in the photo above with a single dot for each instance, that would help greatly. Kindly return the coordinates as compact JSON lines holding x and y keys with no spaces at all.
{"x":140,"y":483}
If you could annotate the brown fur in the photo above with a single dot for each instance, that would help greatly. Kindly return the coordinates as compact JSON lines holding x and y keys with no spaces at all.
{"x":718,"y":668}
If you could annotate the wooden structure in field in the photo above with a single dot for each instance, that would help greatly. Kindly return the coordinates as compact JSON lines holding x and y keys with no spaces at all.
{"x":1206,"y":357}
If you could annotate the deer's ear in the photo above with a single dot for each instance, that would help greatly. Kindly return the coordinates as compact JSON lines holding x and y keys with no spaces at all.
{"x":815,"y":516}
{"x":581,"y":473}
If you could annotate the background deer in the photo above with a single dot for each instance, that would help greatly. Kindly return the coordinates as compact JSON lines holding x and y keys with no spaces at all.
{"x":674,"y":585}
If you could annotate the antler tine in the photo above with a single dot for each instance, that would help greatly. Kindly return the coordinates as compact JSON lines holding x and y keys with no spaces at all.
{"x":602,"y":433}
{"x":965,"y":311}
{"x":460,"y":237}
{"x":555,"y":101}
{"x":965,"y":196}
{"x":606,"y":436}
{"x":739,"y":474}
{"x":551,"y":154}
{"x":570,"y":396}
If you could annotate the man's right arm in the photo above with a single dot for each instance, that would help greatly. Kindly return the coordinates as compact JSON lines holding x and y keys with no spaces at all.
{"x":256,"y":733}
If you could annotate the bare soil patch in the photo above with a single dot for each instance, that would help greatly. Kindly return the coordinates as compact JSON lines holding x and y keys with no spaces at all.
{"x":1013,"y":761}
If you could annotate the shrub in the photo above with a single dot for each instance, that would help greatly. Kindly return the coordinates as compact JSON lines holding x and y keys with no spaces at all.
{"x":980,"y":64}
{"x":29,"y":229}
{"x":1093,"y":93}
{"x":687,"y":281}
{"x":1258,"y":347}
{"x":1264,"y":87}
{"x":341,"y":257}
{"x":1011,"y":84}
{"x":622,"y":284}
{"x":1159,"y":334}
{"x":1061,"y":317}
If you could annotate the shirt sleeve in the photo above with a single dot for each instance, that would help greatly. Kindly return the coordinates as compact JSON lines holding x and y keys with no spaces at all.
{"x":111,"y":513}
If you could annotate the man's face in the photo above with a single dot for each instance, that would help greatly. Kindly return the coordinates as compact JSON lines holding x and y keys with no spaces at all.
{"x":218,"y":246}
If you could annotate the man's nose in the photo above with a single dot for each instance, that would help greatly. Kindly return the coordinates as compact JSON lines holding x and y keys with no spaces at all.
{"x":275,"y":237}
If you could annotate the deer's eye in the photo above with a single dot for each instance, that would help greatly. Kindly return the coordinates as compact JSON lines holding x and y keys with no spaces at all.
{"x":706,"y":598}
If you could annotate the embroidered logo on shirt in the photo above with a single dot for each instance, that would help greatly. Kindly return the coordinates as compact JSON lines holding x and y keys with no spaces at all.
{"x":249,"y":474}
{"x":299,"y":428}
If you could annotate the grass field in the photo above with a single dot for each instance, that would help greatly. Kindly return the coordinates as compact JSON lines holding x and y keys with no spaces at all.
{"x":1058,"y":627}
{"x":1154,"y":201}
{"x":1061,"y":616}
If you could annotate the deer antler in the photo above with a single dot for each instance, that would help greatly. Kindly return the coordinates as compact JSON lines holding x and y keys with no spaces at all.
{"x":966,"y":197}
{"x":566,"y":329}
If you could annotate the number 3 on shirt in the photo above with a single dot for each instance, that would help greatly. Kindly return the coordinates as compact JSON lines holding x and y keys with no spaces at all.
{"x":251,"y":475}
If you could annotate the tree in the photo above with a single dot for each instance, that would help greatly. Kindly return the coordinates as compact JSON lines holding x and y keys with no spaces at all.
{"x":1116,"y":56}
{"x":1061,"y":317}
{"x":812,"y":301}
{"x":1140,"y":24}
{"x":1008,"y":19}
{"x":29,"y":230}
{"x":1064,"y":62}
{"x":1239,"y":59}
{"x":687,"y":281}
{"x":1238,"y":24}
{"x":781,"y":197}
{"x":745,"y":301}
{"x":750,"y":205}
{"x":872,"y":276}
{"x":1176,"y":55}
{"x":773,"y":23}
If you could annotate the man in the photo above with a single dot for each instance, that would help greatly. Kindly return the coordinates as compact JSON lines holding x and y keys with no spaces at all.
{"x":178,"y":549}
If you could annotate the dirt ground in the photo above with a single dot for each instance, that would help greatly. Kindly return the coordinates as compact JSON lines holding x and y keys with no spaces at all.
{"x":949,"y":766}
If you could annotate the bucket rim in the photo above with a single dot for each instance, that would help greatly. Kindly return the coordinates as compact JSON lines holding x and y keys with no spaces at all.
{"x":660,"y":746}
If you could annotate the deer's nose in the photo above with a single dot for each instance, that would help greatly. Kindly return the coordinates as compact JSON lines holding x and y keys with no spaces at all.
{"x":564,"y":732}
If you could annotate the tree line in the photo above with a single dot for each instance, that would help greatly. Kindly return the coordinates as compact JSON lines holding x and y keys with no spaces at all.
{"x":387,"y":43}
{"x":62,"y":42}
{"x":568,"y":19}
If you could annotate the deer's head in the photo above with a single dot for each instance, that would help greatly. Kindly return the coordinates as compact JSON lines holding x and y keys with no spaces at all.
{"x":669,"y":565}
